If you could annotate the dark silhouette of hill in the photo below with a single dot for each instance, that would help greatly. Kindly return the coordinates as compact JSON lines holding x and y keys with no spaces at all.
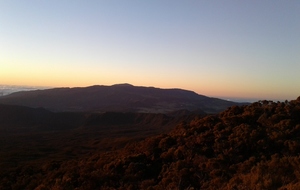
{"x":34,"y":136}
{"x":244,"y":147}
{"x":121,"y":98}
{"x":20,"y":119}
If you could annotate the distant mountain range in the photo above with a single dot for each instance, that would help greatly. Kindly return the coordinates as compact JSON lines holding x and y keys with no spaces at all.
{"x":120,"y":97}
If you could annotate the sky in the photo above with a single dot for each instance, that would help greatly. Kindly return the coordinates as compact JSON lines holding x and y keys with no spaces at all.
{"x":231,"y":49}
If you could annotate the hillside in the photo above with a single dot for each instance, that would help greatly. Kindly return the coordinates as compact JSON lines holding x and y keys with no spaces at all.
{"x":31,"y":137}
{"x":122,"y":97}
{"x":243,"y":147}
{"x":23,"y":120}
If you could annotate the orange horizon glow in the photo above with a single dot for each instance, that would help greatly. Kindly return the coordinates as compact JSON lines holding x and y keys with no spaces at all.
{"x":210,"y":92}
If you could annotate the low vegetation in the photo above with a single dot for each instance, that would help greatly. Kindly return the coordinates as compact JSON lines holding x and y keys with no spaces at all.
{"x":243,"y":148}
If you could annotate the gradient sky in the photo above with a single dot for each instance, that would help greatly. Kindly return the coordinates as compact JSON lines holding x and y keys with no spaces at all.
{"x":244,"y":49}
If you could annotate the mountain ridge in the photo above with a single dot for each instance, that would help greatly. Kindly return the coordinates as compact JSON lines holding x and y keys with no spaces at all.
{"x":119,"y":97}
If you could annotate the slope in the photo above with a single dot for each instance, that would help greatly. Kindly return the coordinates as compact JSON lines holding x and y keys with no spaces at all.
{"x":246,"y":147}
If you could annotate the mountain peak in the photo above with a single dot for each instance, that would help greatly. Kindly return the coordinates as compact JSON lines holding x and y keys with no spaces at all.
{"x":123,"y":85}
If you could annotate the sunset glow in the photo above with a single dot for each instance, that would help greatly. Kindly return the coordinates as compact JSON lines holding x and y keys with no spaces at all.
{"x":222,"y":49}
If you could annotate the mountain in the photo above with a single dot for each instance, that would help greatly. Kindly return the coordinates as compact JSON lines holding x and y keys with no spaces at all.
{"x":121,"y":97}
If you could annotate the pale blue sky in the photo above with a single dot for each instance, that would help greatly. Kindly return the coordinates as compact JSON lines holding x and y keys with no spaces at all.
{"x":244,"y":49}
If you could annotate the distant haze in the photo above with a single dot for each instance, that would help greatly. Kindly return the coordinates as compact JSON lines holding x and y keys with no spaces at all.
{"x":250,"y":100}
{"x":244,"y":49}
{"x":8,"y":89}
